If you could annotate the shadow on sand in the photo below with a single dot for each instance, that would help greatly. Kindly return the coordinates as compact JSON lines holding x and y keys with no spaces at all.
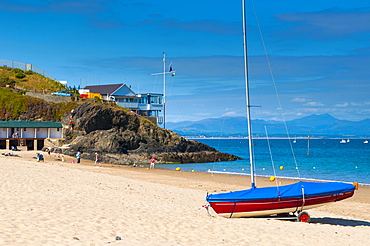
{"x":338,"y":221}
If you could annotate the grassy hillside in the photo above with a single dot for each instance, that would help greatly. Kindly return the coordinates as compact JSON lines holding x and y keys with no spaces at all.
{"x":28,"y":80}
{"x":14,"y":105}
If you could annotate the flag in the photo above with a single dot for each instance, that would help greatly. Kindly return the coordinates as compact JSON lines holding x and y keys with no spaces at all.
{"x":170,"y":70}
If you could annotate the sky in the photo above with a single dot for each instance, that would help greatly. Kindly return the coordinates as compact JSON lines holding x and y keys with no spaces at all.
{"x":315,"y":53}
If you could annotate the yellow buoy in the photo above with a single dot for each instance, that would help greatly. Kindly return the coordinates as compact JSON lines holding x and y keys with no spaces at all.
{"x":281,"y":167}
{"x":177,"y":168}
{"x":192,"y":170}
{"x":224,"y":169}
{"x":272,"y":178}
{"x":314,"y":167}
{"x":263,"y":168}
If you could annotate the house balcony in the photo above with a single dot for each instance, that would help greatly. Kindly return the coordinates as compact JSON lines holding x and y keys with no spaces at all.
{"x":152,"y":107}
{"x":130,"y":105}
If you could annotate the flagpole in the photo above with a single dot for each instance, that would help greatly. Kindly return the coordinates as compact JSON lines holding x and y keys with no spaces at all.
{"x":164,"y":85}
{"x":164,"y":90}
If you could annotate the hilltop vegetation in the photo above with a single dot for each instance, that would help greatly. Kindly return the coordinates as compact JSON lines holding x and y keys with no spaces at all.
{"x":28,"y":80}
{"x":14,"y":105}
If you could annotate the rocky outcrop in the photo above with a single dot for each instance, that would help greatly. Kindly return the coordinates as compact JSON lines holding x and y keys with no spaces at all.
{"x":123,"y":138}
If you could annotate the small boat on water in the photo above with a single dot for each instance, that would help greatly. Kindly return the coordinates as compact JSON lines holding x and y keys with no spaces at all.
{"x":343,"y":141}
{"x":282,"y":201}
{"x":366,"y":141}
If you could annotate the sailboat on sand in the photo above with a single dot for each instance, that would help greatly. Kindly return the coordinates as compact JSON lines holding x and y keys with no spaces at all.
{"x":280,"y":201}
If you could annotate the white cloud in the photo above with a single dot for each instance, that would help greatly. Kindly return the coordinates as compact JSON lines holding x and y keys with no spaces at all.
{"x":231,"y":113}
{"x":299,"y":99}
{"x":314,"y":104}
{"x":342,"y":105}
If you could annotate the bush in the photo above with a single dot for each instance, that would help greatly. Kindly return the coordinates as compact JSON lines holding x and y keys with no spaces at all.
{"x":17,"y":70}
{"x":29,"y":72}
{"x":20,"y":75}
{"x":6,"y":81}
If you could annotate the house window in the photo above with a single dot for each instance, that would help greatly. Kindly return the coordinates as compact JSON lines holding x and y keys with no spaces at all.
{"x":24,"y":129}
{"x":57,"y":129}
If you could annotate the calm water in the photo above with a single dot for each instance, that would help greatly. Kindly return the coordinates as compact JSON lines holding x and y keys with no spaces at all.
{"x":328,"y":159}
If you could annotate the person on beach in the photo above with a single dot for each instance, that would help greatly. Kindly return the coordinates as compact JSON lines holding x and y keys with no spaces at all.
{"x":97,"y":159}
{"x":49,"y":154}
{"x":152,"y":162}
{"x":78,"y":156}
{"x":39,"y":157}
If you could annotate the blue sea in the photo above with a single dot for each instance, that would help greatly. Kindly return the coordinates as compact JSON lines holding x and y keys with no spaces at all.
{"x":318,"y":159}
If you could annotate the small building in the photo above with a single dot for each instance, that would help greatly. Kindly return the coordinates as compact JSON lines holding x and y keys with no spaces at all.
{"x":28,"y":134}
{"x":148,"y":105}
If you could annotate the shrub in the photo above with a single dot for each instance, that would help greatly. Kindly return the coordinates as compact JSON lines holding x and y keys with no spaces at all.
{"x":6,"y":81}
{"x":17,"y":70}
{"x":20,"y":75}
{"x":29,"y":72}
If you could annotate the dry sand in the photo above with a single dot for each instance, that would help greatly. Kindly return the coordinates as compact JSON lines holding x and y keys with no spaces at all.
{"x":60,"y":203}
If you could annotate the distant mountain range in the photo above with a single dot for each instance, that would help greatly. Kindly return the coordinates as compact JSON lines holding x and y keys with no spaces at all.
{"x":323,"y":125}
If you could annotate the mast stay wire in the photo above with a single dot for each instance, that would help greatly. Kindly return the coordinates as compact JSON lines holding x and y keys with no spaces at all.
{"x":276,"y":90}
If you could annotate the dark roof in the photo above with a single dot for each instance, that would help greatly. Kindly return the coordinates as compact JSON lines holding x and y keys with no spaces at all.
{"x":104,"y":89}
{"x":30,"y":124}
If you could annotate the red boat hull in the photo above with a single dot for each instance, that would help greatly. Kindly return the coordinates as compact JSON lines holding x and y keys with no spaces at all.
{"x":274,"y":206}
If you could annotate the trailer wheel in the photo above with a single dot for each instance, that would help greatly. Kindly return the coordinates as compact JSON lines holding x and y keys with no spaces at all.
{"x":303,"y":217}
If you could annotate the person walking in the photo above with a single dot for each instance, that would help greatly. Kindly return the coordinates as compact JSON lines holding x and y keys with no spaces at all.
{"x":78,"y":156}
{"x":152,"y":162}
{"x":97,"y":159}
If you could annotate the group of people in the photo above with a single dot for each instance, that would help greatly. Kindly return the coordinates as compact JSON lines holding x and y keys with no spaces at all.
{"x":40,"y":158}
{"x":15,"y":135}
{"x":72,"y":114}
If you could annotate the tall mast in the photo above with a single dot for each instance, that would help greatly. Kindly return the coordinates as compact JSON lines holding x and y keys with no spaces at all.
{"x":164,"y":90}
{"x":247,"y":100}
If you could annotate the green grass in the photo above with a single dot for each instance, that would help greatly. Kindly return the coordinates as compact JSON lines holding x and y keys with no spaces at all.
{"x":30,"y":81}
{"x":14,"y":105}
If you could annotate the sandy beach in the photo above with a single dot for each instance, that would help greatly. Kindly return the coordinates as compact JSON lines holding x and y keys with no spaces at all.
{"x":63,"y":203}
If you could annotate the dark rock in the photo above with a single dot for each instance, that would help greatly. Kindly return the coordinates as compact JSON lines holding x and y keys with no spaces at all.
{"x":123,"y":138}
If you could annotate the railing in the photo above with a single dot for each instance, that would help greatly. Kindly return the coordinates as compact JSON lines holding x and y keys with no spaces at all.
{"x":130,"y":105}
{"x":25,"y":67}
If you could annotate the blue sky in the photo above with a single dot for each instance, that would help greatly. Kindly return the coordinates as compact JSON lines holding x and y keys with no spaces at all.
{"x":318,"y":52}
